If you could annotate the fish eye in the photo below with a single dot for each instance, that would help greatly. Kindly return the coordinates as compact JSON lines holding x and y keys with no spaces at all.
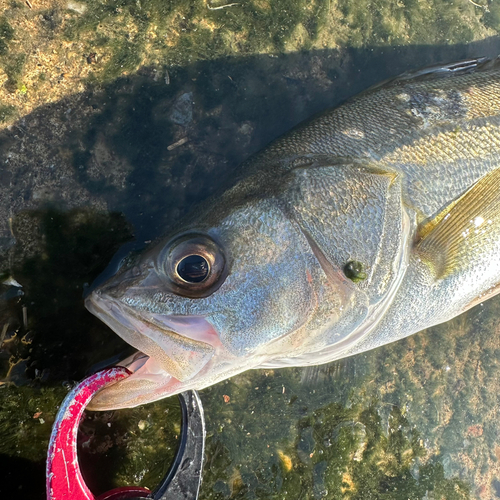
{"x":194,"y":264}
{"x":193,"y":268}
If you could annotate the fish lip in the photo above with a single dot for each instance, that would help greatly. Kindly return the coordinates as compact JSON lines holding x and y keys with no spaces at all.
{"x":147,"y":382}
{"x":136,"y":328}
{"x":123,"y":311}
{"x":95,"y":304}
{"x":138,"y":363}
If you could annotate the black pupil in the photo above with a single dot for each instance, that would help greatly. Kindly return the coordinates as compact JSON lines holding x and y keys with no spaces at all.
{"x":193,"y":269}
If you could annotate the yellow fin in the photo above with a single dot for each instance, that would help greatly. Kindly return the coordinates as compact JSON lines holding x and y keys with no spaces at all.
{"x":466,"y":228}
{"x":427,"y":226}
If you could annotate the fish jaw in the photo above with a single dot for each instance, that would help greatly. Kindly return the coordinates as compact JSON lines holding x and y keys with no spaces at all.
{"x":167,"y":362}
{"x":148,"y":382}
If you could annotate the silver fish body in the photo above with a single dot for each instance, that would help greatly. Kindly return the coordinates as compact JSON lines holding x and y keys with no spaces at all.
{"x":369,"y":223}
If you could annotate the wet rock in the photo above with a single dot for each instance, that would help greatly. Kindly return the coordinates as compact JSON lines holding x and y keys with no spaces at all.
{"x":182,"y":110}
{"x":306,"y":445}
{"x":320,"y":491}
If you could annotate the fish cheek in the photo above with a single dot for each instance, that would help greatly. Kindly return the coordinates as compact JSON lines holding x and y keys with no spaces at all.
{"x":263,"y":306}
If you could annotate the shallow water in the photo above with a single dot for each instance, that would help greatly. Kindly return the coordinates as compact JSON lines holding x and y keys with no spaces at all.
{"x":116,"y":118}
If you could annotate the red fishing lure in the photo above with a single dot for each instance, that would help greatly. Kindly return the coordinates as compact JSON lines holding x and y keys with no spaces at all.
{"x":64,"y":478}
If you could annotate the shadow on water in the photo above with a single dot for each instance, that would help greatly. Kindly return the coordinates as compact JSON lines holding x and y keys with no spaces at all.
{"x":118,"y":146}
{"x":81,"y":176}
{"x":62,"y":251}
{"x":27,"y":475}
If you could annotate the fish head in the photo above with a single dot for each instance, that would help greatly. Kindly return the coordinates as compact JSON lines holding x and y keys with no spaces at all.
{"x":257,"y":277}
{"x":205,"y":303}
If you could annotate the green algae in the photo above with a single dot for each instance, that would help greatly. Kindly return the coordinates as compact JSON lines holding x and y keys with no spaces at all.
{"x":303,"y":448}
{"x":379,"y":22}
{"x":33,"y":412}
{"x":492,"y":16}
{"x":135,"y":446}
{"x":124,"y":59}
{"x":14,"y":67}
{"x":12,"y":64}
{"x":6,"y":35}
{"x":93,"y":42}
{"x":7,"y":111}
{"x":120,"y":442}
{"x":153,"y":32}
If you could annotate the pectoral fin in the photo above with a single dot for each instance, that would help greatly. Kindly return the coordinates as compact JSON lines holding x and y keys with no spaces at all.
{"x":462,"y":232}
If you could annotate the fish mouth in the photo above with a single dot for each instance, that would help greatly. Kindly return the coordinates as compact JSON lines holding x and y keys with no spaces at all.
{"x":173,"y":352}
